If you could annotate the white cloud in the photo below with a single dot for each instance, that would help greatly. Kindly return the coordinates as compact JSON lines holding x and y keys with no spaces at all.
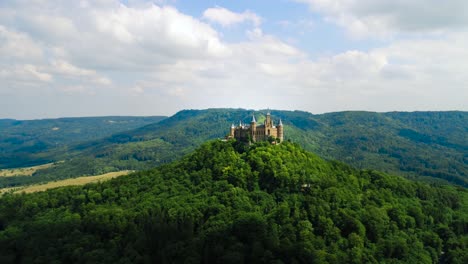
{"x":268,"y":45}
{"x":75,"y":89}
{"x":147,"y":59}
{"x":65,"y":69}
{"x":17,"y":45}
{"x":386,"y":17}
{"x":177,"y":92}
{"x":159,"y":29}
{"x":33,"y":71}
{"x":53,"y":28}
{"x":352,"y":65}
{"x":137,"y":90}
{"x":24,"y":73}
{"x":225,"y":17}
{"x":406,"y":75}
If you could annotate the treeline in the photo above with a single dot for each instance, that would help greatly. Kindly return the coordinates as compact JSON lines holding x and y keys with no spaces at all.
{"x":422,"y":145}
{"x":429,"y":146}
{"x":31,"y":142}
{"x":229,"y":203}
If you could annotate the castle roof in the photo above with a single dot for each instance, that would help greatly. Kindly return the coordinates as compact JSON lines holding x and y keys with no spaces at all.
{"x":280,"y":123}
{"x":253,"y":119}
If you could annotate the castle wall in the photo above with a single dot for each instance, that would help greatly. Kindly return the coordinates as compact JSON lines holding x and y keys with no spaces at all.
{"x":257,"y":133}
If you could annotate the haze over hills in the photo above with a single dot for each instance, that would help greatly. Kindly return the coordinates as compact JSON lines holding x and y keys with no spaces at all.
{"x":32,"y":142}
{"x":424,"y":145}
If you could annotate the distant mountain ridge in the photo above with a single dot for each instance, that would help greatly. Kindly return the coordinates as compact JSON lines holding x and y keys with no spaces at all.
{"x":32,"y":142}
{"x":424,"y":145}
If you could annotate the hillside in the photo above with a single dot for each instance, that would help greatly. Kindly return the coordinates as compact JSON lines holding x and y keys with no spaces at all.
{"x":428,"y":144}
{"x":225,"y":203}
{"x":26,"y":143}
{"x":423,"y":145}
{"x":141,"y":148}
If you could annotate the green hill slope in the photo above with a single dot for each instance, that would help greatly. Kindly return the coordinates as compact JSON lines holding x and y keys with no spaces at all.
{"x":414,"y":144}
{"x":423,"y":145}
{"x":31,"y":142}
{"x":225,"y":203}
{"x":138,"y":149}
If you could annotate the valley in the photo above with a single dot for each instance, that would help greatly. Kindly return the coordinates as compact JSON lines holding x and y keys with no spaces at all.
{"x":283,"y":132}
{"x":63,"y":183}
{"x":428,"y":146}
{"x":25,"y":143}
{"x":381,"y":187}
{"x":26,"y":171}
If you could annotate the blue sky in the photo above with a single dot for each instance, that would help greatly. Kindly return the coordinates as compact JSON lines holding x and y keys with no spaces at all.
{"x":306,"y":29}
{"x":138,"y":57}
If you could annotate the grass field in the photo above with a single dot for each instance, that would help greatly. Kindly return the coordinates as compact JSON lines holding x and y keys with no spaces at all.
{"x":67,"y":182}
{"x":27,"y":171}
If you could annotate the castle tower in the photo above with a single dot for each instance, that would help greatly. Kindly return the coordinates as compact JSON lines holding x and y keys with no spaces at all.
{"x":268,"y":122}
{"x":231,"y":132}
{"x":280,"y":130}
{"x":253,"y":128}
{"x":253,"y":132}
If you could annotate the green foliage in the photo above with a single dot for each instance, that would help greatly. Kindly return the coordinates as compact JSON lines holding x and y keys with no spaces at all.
{"x":420,"y":145}
{"x":429,"y":146}
{"x":32,"y":142}
{"x":230,"y":203}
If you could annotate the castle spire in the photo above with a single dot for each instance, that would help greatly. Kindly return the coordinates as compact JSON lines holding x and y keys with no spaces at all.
{"x":253,"y":119}
{"x":280,"y":123}
{"x":268,"y":122}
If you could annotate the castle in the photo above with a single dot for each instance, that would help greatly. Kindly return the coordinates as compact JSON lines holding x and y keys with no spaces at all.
{"x":254,"y":132}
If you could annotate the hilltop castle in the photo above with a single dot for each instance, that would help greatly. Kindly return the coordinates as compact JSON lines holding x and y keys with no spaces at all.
{"x":254,"y":132}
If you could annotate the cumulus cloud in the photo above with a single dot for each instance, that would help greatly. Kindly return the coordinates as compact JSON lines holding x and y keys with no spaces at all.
{"x":226,"y":17}
{"x":68,"y":69}
{"x":17,"y":45}
{"x":25,"y":73}
{"x":384,"y":17}
{"x":161,"y":29}
{"x":65,"y":69}
{"x":148,"y":59}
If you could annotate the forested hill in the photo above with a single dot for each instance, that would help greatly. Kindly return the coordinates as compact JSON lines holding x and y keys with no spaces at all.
{"x":228,"y":203}
{"x":32,"y":142}
{"x":423,"y":145}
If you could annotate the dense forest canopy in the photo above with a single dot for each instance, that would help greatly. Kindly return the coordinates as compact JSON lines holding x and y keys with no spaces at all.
{"x":230,"y":203}
{"x":421,"y":145}
{"x":32,"y":142}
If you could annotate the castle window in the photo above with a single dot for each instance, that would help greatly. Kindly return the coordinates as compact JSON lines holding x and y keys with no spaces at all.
{"x":268,"y":131}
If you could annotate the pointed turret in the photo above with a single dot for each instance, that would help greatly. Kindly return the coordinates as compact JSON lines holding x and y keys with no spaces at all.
{"x":280,"y":131}
{"x":268,"y":122}
{"x":232,"y":131}
{"x":253,"y":128}
{"x":253,"y":132}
